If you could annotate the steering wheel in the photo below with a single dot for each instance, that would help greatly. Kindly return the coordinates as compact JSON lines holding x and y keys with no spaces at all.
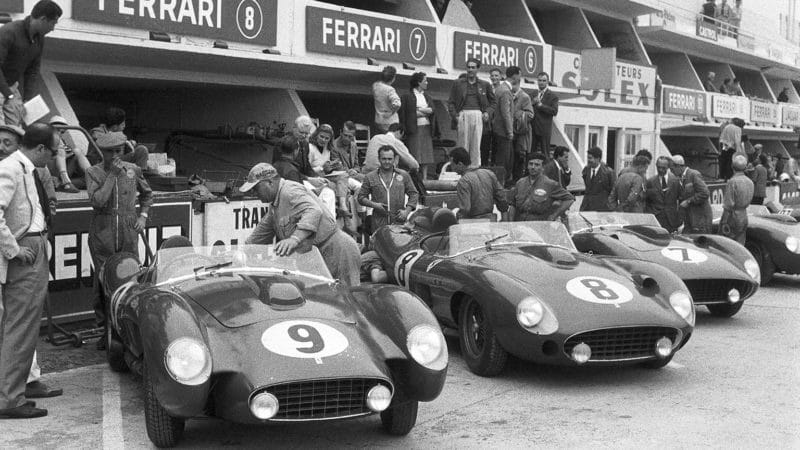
{"x":182,"y":263}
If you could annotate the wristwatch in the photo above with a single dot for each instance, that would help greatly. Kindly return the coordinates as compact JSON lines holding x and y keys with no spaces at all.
{"x":10,"y":97}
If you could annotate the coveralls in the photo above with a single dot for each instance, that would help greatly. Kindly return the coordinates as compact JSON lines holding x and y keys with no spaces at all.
{"x":738,"y":194}
{"x":535,"y":199}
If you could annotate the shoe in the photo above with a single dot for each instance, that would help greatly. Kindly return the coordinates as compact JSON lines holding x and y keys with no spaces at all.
{"x":24,"y":411}
{"x":37,"y":389}
{"x":68,"y":187}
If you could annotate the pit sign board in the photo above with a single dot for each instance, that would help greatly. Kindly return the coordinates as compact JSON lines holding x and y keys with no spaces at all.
{"x":725,"y":106}
{"x":494,"y":52}
{"x":231,"y":223}
{"x":790,"y":115}
{"x":248,"y":21}
{"x":683,"y":102}
{"x":764,"y":113}
{"x":347,"y":33}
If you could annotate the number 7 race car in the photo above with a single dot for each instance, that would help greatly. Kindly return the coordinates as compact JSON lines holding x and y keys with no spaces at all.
{"x":522,"y":288}
{"x":250,"y":337}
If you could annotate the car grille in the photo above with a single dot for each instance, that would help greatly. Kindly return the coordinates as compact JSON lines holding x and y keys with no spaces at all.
{"x":716,"y":291}
{"x":615,"y":344}
{"x":323,"y":399}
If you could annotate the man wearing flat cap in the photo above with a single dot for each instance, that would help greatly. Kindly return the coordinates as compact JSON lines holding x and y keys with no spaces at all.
{"x":113,"y":187}
{"x":694,"y":206}
{"x":296,"y":215}
{"x":738,"y":194}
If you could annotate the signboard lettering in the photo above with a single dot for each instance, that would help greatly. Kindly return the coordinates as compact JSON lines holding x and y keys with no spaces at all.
{"x":493,"y":52}
{"x":231,"y":223}
{"x":350,"y":34}
{"x":250,"y":21}
{"x":790,"y":116}
{"x":727,"y":107}
{"x":706,"y":30}
{"x":716,"y":193}
{"x":634,"y":86}
{"x":684,"y":102}
{"x":762,"y":112}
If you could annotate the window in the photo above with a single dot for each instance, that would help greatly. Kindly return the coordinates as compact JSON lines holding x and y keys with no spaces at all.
{"x":594,"y":137}
{"x":573,"y":133}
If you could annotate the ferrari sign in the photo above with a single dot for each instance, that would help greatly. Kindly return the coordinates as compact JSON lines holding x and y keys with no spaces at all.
{"x":250,"y":21}
{"x":684,"y":102}
{"x":493,"y":52}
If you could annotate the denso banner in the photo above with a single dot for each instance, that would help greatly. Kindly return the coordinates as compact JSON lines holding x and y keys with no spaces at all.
{"x":724,"y":106}
{"x":250,"y":21}
{"x":790,"y":115}
{"x":13,"y":6}
{"x":764,"y":113}
{"x":683,"y":102}
{"x":494,"y":52}
{"x":349,"y":34}
{"x":231,"y":223}
{"x":634,"y":87}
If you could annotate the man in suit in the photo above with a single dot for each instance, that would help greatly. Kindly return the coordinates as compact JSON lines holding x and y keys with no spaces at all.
{"x":599,"y":180}
{"x":545,"y":105}
{"x":523,"y":134}
{"x":558,"y":168}
{"x":503,"y":122}
{"x":23,"y":265}
{"x":695,"y":208}
{"x":470,"y":105}
{"x":662,"y":192}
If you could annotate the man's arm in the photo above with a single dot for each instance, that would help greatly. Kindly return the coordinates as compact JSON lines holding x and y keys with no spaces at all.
{"x":451,"y":101}
{"x":145,"y":192}
{"x":394,"y":100}
{"x":99,"y":192}
{"x":264,"y":233}
{"x":405,"y":156}
{"x":8,"y":186}
{"x":505,"y":107}
{"x":701,"y":193}
{"x":565,"y":199}
{"x":6,"y":42}
{"x":491,"y":98}
{"x":499,"y":195}
{"x":464,"y":195}
{"x":512,"y":205}
{"x":31,"y":78}
{"x":365,"y":192}
{"x":412,"y":193}
{"x":550,"y":109}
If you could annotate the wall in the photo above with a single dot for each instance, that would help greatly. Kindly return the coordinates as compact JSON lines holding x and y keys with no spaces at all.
{"x":566,"y":28}
{"x":676,"y":69}
{"x":509,"y":17}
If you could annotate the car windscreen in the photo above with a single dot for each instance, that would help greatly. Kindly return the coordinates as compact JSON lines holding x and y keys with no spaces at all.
{"x":177,"y":263}
{"x":580,"y":222}
{"x":479,"y":235}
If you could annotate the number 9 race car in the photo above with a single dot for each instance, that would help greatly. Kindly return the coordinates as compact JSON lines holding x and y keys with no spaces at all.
{"x":719,"y":272}
{"x":250,"y":337}
{"x":523,"y":288}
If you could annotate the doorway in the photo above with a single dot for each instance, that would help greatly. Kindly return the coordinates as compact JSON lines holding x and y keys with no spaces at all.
{"x":611,"y":147}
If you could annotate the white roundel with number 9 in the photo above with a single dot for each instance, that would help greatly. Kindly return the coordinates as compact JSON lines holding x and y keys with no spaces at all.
{"x":684,"y":255}
{"x":403,"y":265}
{"x":599,"y":290}
{"x":304,"y":339}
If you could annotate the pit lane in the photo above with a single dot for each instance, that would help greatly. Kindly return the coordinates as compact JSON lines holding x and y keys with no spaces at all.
{"x":737,"y":382}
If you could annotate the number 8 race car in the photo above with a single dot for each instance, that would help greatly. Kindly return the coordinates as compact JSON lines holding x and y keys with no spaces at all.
{"x":250,"y":337}
{"x":522,"y":288}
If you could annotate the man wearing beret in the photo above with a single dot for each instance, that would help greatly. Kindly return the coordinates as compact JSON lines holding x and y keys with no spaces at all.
{"x":113,"y":187}
{"x":694,"y":206}
{"x":296,"y":215}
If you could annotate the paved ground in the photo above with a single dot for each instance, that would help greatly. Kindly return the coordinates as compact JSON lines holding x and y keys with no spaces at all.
{"x":735,"y":385}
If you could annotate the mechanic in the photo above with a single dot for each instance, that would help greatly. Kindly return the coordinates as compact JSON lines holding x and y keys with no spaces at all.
{"x":113,"y":186}
{"x":537,"y":197}
{"x":695,"y":207}
{"x":115,"y":123}
{"x":478,"y":189}
{"x":372,"y":269}
{"x":629,"y":192}
{"x":662,"y":196}
{"x":296,"y":215}
{"x":738,"y":194}
{"x":23,"y":266}
{"x":391,"y":184}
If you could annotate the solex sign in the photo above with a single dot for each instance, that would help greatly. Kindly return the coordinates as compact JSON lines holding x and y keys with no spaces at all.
{"x":250,"y":21}
{"x":350,"y":34}
{"x":492,"y":52}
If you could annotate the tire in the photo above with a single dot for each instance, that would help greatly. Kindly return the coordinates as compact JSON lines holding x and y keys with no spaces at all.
{"x":657,"y":363}
{"x":400,"y":419}
{"x":725,"y":309}
{"x":163,"y":430}
{"x":115,"y":350}
{"x":479,"y":345}
{"x":763,"y":260}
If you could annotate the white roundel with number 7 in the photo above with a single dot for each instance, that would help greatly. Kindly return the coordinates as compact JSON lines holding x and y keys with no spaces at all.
{"x":304,"y":339}
{"x":684,"y":255}
{"x":599,"y":290}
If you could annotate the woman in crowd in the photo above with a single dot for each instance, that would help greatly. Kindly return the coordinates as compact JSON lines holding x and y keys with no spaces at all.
{"x":319,"y":148}
{"x":418,"y":117}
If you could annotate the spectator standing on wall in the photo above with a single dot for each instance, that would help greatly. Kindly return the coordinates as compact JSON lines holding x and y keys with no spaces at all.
{"x":487,"y":145}
{"x":726,"y":87}
{"x":523,"y":131}
{"x":599,"y":180}
{"x":545,"y":106}
{"x":21,"y":46}
{"x":709,"y":11}
{"x":783,"y":97}
{"x":503,"y":124}
{"x":419,"y":119}
{"x":470,"y":104}
{"x":730,"y":142}
{"x":736,"y":89}
{"x":387,"y":102}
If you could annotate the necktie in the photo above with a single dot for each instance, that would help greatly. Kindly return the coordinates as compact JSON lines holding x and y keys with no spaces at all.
{"x":43,"y":200}
{"x":594,"y":173}
{"x":663,"y":182}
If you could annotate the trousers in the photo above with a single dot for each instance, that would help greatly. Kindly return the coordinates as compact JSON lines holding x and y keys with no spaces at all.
{"x":14,"y":109}
{"x":470,"y":130}
{"x":342,"y":257}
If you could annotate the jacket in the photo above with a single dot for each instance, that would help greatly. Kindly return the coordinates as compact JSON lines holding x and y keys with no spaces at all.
{"x":387,"y":103}
{"x":628,"y":193}
{"x":556,"y":173}
{"x":598,"y":189}
{"x":503,"y":117}
{"x":408,"y":113}
{"x":698,"y":215}
{"x":16,"y":207}
{"x":544,"y":113}
{"x":458,"y":94}
{"x":663,"y":203}
{"x":522,"y":110}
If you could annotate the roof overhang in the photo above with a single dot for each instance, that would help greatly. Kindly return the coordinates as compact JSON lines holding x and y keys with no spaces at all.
{"x":683,"y":127}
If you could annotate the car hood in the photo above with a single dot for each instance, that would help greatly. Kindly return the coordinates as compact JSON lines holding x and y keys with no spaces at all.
{"x":775,"y":222}
{"x":239,"y":300}
{"x":580,"y":289}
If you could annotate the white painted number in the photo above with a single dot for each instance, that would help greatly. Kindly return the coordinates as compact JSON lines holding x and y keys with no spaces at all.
{"x":684,"y":255}
{"x":249,"y":18}
{"x":304,"y":339}
{"x":599,"y":290}
{"x":530,"y":60}
{"x":402,"y":268}
{"x":417,"y":44}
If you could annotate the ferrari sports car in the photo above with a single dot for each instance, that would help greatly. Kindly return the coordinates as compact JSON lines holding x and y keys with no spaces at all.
{"x":522,"y":288}
{"x":250,"y":337}
{"x":773,"y":240}
{"x":718,"y":271}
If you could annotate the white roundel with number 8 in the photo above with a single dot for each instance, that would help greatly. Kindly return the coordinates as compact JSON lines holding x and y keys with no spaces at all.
{"x":684,"y":255}
{"x":304,"y":339}
{"x":599,"y":290}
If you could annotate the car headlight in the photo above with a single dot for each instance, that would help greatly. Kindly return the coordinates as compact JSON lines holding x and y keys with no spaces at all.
{"x":427,"y":346}
{"x":264,"y":405}
{"x":752,"y":269}
{"x":681,"y":302}
{"x":792,"y":244}
{"x":530,"y":312}
{"x":188,"y":361}
{"x":379,"y":398}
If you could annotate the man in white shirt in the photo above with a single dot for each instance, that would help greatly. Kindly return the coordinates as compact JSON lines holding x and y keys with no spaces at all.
{"x":392,"y":138}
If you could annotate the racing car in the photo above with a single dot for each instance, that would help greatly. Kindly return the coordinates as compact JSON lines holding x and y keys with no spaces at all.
{"x":522,"y":288}
{"x":773,"y":240}
{"x":250,"y":337}
{"x":719,"y":272}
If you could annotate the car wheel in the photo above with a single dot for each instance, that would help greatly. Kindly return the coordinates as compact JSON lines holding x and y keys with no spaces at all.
{"x":657,"y":363}
{"x":163,"y":430}
{"x":115,"y":350}
{"x":725,"y":309}
{"x":479,"y":345}
{"x":398,"y":420}
{"x":764,"y":263}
